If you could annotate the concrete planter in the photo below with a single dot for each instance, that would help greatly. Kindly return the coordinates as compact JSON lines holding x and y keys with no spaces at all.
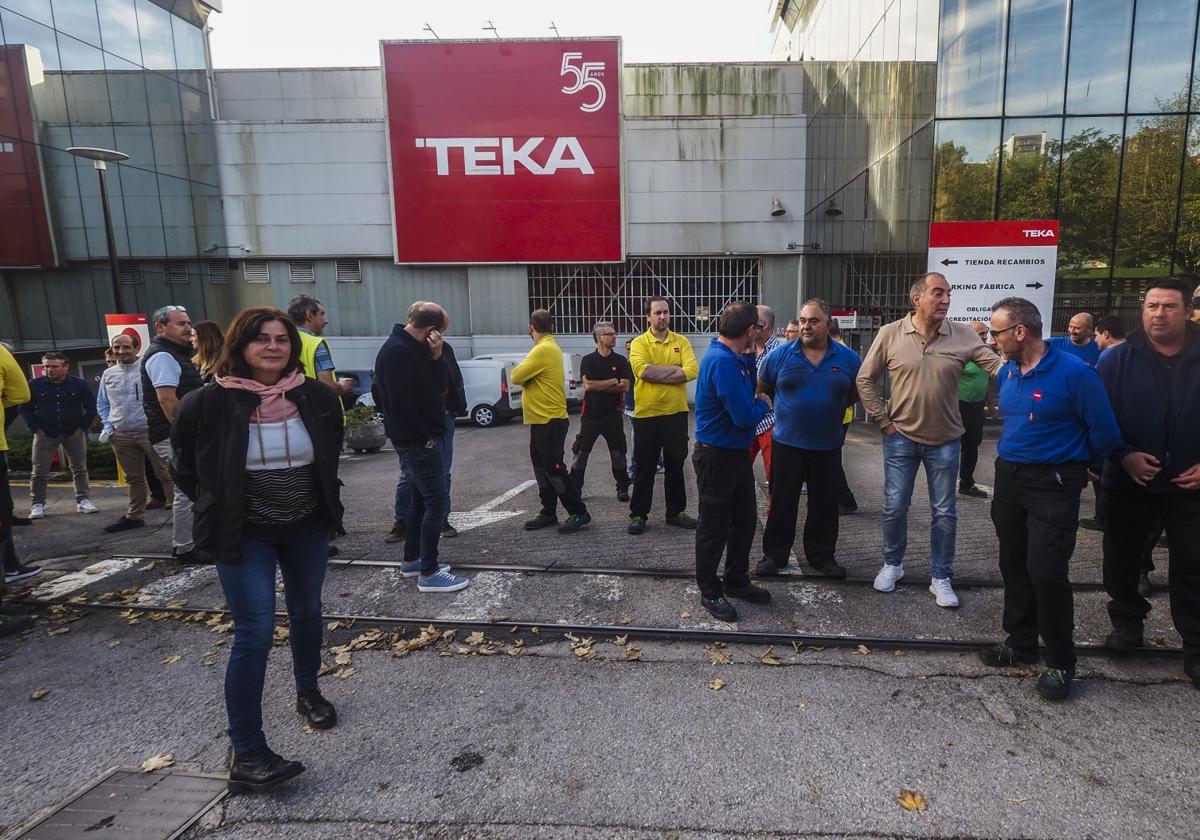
{"x":366,"y":438}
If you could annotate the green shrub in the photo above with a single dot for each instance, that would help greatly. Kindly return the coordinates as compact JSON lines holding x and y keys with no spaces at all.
{"x":102,"y":462}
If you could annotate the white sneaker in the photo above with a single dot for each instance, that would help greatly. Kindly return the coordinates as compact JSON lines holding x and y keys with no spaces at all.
{"x":888,"y":576}
{"x":86,"y":506}
{"x":944,"y":592}
{"x":37,"y":511}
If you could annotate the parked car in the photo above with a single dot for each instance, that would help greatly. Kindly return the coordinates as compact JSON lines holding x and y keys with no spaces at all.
{"x":490,"y":399}
{"x":363,"y":380}
{"x":572,"y":378}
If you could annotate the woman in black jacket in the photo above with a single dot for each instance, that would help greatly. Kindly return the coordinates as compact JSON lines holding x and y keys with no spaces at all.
{"x":256,"y":451}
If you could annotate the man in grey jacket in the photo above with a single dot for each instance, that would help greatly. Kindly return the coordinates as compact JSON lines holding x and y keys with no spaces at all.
{"x":126,"y":430}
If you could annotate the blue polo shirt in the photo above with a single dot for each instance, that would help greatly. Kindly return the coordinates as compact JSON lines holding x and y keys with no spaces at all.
{"x":726,"y":409}
{"x":1057,"y":413}
{"x":1088,"y":353}
{"x":811,"y":400}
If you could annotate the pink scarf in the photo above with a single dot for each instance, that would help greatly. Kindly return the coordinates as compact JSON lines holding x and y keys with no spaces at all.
{"x":275,"y":408}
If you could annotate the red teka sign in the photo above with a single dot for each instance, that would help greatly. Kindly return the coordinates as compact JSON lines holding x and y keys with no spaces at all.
{"x":505,"y":151}
{"x":26,"y":240}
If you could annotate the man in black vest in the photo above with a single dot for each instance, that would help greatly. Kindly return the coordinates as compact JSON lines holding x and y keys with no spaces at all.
{"x":167,"y":375}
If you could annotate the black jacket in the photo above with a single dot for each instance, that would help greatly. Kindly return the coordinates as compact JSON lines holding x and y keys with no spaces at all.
{"x":1157,"y":415}
{"x":209,"y":439}
{"x":411,"y":384}
{"x":59,"y":410}
{"x":189,"y":380}
{"x":456,"y":395}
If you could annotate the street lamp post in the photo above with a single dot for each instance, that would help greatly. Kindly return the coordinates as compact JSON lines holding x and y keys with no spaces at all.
{"x":100,"y":159}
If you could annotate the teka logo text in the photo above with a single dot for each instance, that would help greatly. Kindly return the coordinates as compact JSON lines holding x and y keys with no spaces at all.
{"x":1037,"y":233}
{"x":585,"y":77}
{"x":502,"y":155}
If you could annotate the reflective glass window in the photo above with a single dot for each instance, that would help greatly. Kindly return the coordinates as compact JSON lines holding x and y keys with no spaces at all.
{"x":965,"y":154}
{"x":1037,"y":57}
{"x":1029,"y":155}
{"x":1087,"y":202}
{"x":20,"y":30}
{"x":1163,"y":34}
{"x":127,"y":90}
{"x":189,"y":45}
{"x":1187,"y":243}
{"x":38,"y":10}
{"x":1100,"y":37}
{"x":78,"y":19}
{"x":970,"y":58}
{"x":154,"y":28}
{"x":119,"y":29}
{"x":1149,"y":194}
{"x":76,"y":55}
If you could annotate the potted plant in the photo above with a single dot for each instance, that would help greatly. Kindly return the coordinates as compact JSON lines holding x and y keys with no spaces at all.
{"x":364,"y":429}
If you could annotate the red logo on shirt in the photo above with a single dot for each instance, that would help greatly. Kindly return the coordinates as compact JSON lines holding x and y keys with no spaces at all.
{"x":1037,"y":395}
{"x":676,"y":349}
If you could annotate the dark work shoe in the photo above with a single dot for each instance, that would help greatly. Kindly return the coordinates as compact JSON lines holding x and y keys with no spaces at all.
{"x":124,"y":524}
{"x":1055,"y":683}
{"x":682,"y":520}
{"x":1145,"y":587}
{"x":188,"y":558}
{"x":749,"y":592}
{"x":318,"y":711}
{"x":719,"y":608}
{"x":261,"y":770}
{"x":540,"y":521}
{"x":1191,"y":667}
{"x":847,"y":509}
{"x":1090,"y":524}
{"x":1002,"y":656}
{"x":10,"y":625}
{"x":637,"y":525}
{"x":767,"y":568}
{"x":396,"y":534}
{"x":829,"y":568}
{"x":574,"y":522}
{"x":622,"y":494}
{"x":972,"y":491}
{"x":449,"y":532}
{"x":1124,"y":639}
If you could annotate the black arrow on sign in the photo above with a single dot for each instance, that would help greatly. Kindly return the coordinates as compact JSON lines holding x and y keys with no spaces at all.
{"x":949,"y":262}
{"x":1034,"y":285}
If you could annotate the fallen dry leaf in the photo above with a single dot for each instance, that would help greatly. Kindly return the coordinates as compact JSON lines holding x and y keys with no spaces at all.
{"x":625,"y":619}
{"x":911,"y":800}
{"x":901,"y":653}
{"x":58,"y":631}
{"x":342,"y":658}
{"x":346,"y":672}
{"x":114,"y":643}
{"x":863,"y":649}
{"x":798,"y":646}
{"x":716,"y":683}
{"x":1158,"y":641}
{"x":476,"y":638}
{"x":39,"y":694}
{"x":769,"y":658}
{"x":816,"y":648}
{"x":633,"y":653}
{"x":177,"y":604}
{"x":171,"y":660}
{"x":620,"y":641}
{"x":93,"y":570}
{"x":158,"y":762}
{"x":337,"y":625}
{"x":720,"y":657}
{"x":685,"y":615}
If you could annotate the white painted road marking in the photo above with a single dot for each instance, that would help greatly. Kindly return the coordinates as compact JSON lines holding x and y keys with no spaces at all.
{"x":72,"y":581}
{"x":486,"y":514}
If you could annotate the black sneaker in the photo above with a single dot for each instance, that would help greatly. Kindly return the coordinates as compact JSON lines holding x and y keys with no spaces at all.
{"x":540,"y":521}
{"x":188,"y":558}
{"x":847,"y":509}
{"x":574,"y":522}
{"x":21,"y":573}
{"x":261,"y":770}
{"x":749,"y":592}
{"x":1055,"y":683}
{"x":396,"y":534}
{"x":767,"y":568}
{"x":622,"y":494}
{"x":449,"y":532}
{"x":1145,"y":587}
{"x":719,"y":608}
{"x":124,"y":524}
{"x":829,"y":568}
{"x":1002,"y":656}
{"x":1090,"y":524}
{"x":1124,"y":639}
{"x":13,"y":624}
{"x":637,"y":525}
{"x":972,"y":491}
{"x":682,"y":520}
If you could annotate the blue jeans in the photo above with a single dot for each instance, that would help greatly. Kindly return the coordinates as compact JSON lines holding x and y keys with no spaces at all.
{"x":404,"y":485}
{"x":250,"y":590}
{"x":901,"y":459}
{"x":429,"y":507}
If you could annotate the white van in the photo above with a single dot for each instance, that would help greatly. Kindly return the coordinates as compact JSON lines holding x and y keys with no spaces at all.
{"x":490,"y":400}
{"x":572,"y":378}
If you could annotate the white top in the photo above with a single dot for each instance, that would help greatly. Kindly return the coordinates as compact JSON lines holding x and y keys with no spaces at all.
{"x":278,"y":446}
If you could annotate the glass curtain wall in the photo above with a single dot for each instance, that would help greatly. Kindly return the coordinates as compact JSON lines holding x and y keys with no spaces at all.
{"x":1085,"y":111}
{"x":126,"y":75}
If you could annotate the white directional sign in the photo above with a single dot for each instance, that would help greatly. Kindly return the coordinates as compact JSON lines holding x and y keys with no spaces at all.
{"x":987,"y":261}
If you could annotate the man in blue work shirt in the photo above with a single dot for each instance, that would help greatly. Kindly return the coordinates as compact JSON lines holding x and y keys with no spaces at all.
{"x":1080,"y":340}
{"x":726,"y":413}
{"x":811,"y":381}
{"x":1057,"y":421}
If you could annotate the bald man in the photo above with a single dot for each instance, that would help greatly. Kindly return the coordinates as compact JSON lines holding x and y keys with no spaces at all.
{"x":1080,"y":340}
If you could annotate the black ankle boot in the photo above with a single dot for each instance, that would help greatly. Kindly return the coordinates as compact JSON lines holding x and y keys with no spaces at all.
{"x":261,"y":770}
{"x":318,"y":711}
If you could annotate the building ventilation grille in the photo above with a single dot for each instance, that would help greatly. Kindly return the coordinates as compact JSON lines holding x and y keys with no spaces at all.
{"x":131,"y":272}
{"x":349,"y":271}
{"x":219,"y":271}
{"x":699,"y":288}
{"x":175,"y":272}
{"x":256,"y":271}
{"x":302,"y":271}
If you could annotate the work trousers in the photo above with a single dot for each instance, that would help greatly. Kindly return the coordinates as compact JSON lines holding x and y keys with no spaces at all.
{"x":44,"y":446}
{"x":1131,"y":518}
{"x":1035,"y":508}
{"x":728,"y":517}
{"x":652,"y":436}
{"x":845,"y":494}
{"x":181,"y":509}
{"x":821,"y":471}
{"x":968,"y":458}
{"x":133,"y":451}
{"x":546,"y":444}
{"x":612,"y":429}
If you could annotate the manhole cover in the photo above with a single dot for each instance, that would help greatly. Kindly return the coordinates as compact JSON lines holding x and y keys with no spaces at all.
{"x":131,"y":805}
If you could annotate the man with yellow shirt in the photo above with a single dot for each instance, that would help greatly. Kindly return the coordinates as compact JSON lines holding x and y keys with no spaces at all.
{"x":14,"y":391}
{"x":544,"y":406}
{"x":663,"y":363}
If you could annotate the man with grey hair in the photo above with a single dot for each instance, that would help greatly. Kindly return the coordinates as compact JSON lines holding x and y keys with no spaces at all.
{"x":167,"y":376}
{"x":764,"y":343}
{"x":923,"y":355}
{"x":606,"y":377}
